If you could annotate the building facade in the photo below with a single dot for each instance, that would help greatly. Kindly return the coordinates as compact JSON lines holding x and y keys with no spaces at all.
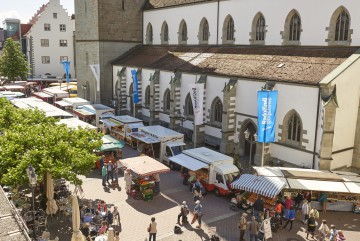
{"x":236,"y":48}
{"x":50,"y":41}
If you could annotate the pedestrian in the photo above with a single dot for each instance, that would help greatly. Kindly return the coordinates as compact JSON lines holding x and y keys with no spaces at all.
{"x":323,"y":230}
{"x":102,"y":161}
{"x":253,"y":229}
{"x":298,"y":201}
{"x":128,"y":181}
{"x":306,"y":210}
{"x":311,"y":225}
{"x":242,"y":226}
{"x":104,"y":174}
{"x":333,"y":233}
{"x":258,"y":208}
{"x":116,"y":215}
{"x":109,"y":217}
{"x":197,"y":194}
{"x":110,"y":172}
{"x":199,"y":212}
{"x":287,"y":204}
{"x":152,"y":229}
{"x":103,"y":227}
{"x":290,"y":217}
{"x":315,"y":213}
{"x":116,"y":173}
{"x":97,"y":218}
{"x":157,"y":181}
{"x":278,"y":211}
{"x":307,"y":196}
{"x":323,"y":201}
{"x":102,"y":208}
{"x":340,"y":236}
{"x":184,"y":211}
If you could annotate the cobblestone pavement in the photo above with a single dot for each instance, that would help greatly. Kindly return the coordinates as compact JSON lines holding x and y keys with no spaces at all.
{"x":136,"y":214}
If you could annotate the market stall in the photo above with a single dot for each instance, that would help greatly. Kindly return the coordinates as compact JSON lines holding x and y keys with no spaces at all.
{"x":94,"y":112}
{"x":266,"y":187}
{"x":110,"y":149}
{"x":143,"y":171}
{"x":342,"y":189}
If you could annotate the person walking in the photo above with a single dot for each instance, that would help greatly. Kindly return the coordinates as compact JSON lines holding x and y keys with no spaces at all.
{"x":323,"y":201}
{"x":298,"y":201}
{"x":152,"y":229}
{"x":333,"y":233}
{"x":287,"y":204}
{"x":290,"y":217}
{"x":258,"y":207}
{"x":102,"y":161}
{"x":242,"y":226}
{"x":110,"y":173}
{"x":116,"y":215}
{"x":315,"y":213}
{"x":184,"y":211}
{"x":199,"y":211}
{"x":278,"y":211}
{"x":104,"y":175}
{"x":306,"y":210}
{"x":253,"y":229}
{"x":128,"y":181}
{"x":323,"y":230}
{"x":311,"y":225}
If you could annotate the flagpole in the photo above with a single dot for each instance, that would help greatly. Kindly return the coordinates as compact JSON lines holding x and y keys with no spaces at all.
{"x":195,"y":135}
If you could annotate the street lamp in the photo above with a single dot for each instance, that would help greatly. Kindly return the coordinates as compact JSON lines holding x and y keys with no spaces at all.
{"x":32,"y":180}
{"x":252,"y":139}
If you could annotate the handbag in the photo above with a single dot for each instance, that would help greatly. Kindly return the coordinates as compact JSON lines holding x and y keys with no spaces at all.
{"x":316,"y":224}
{"x":149,"y":228}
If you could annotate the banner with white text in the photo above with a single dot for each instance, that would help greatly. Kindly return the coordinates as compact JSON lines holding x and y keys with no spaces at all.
{"x":135,"y":86}
{"x":197,"y":98}
{"x":267,"y":102}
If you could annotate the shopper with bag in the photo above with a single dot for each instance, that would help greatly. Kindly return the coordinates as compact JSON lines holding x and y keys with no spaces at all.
{"x":242,"y":226}
{"x":184,"y":211}
{"x":306,"y":210}
{"x":152,"y":229}
{"x":324,"y":230}
{"x":311,"y":223}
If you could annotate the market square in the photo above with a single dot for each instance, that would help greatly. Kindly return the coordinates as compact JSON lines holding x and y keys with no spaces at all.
{"x":179,"y":120}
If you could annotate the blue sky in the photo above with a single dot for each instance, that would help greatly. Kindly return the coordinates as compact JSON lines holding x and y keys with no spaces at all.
{"x":25,"y":9}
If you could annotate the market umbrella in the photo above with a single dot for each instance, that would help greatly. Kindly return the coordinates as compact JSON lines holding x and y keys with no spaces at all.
{"x":110,"y":236}
{"x":77,"y":235}
{"x":51,"y":207}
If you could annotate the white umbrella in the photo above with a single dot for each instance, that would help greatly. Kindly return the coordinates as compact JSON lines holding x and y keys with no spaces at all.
{"x":111,"y":235}
{"x":51,"y":207}
{"x":77,"y":235}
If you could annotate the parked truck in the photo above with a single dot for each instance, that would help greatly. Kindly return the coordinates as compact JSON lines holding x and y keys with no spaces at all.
{"x":158,"y":142}
{"x":215,"y":170}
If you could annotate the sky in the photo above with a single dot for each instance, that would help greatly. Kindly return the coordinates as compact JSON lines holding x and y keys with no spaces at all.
{"x":25,"y":9}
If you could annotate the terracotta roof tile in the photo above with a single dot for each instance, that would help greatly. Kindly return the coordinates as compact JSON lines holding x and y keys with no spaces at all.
{"x":292,"y":64}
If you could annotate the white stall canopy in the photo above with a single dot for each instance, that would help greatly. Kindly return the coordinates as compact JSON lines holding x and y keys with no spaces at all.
{"x":188,"y":162}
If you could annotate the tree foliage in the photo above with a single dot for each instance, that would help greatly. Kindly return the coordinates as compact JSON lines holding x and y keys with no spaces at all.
{"x":29,"y":137}
{"x":12,"y":61}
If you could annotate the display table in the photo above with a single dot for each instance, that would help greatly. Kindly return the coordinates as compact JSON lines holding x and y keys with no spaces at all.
{"x":341,"y":206}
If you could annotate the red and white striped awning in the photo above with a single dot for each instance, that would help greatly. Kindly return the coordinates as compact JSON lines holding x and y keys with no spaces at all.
{"x":265,"y":186}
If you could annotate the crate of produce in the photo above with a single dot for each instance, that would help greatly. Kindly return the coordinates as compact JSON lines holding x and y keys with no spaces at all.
{"x":148,"y":196}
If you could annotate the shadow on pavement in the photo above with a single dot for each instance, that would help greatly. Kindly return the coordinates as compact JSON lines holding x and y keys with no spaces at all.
{"x":151,"y":207}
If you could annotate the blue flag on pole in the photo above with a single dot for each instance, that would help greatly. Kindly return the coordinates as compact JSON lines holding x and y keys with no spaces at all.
{"x":267,"y":101}
{"x":66,"y":65}
{"x":135,"y":87}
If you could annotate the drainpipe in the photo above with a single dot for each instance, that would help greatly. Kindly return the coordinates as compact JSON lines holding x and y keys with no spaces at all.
{"x":316,"y":127}
{"x":217,"y":25}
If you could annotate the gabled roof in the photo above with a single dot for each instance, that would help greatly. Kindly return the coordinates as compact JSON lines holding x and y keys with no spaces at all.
{"x":25,"y":28}
{"x":301,"y":64}
{"x":37,"y":14}
{"x":170,"y":3}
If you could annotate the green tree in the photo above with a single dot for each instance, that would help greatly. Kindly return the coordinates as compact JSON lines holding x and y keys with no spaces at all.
{"x":32,"y":138}
{"x":12,"y":61}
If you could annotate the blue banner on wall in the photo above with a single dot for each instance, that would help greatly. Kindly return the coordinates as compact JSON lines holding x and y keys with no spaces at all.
{"x":267,"y":102}
{"x":66,"y":65}
{"x":135,"y":86}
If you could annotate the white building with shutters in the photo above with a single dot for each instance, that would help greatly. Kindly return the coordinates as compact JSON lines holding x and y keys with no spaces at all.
{"x":50,"y":41}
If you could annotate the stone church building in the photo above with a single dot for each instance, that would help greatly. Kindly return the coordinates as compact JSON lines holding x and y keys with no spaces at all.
{"x":235,"y":48}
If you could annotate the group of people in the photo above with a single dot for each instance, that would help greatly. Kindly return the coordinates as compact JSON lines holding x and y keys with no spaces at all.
{"x":100,"y":216}
{"x":252,"y":226}
{"x":109,"y":171}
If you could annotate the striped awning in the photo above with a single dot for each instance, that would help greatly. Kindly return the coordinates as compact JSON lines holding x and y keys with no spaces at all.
{"x":265,"y":186}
